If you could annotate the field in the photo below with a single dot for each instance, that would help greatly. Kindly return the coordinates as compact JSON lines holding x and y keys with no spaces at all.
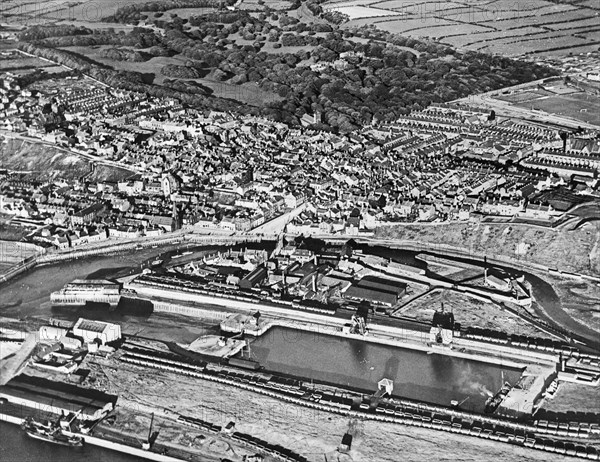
{"x":354,"y":12}
{"x":560,"y":100}
{"x":30,"y":12}
{"x":499,"y":26}
{"x":577,"y":106}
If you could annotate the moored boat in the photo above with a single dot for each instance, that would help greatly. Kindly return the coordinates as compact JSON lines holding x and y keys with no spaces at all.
{"x":47,"y":431}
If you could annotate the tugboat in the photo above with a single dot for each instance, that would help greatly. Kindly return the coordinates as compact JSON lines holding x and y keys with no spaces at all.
{"x":494,"y":401}
{"x":52,"y":433}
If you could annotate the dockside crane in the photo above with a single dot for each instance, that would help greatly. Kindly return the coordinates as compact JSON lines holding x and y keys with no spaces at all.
{"x":151,"y":436}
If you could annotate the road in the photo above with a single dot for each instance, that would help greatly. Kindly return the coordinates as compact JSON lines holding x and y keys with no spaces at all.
{"x":277,"y":225}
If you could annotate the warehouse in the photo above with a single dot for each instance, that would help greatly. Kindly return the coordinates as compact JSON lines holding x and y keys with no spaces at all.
{"x":254,"y":278}
{"x":57,"y":398}
{"x":374,"y":296}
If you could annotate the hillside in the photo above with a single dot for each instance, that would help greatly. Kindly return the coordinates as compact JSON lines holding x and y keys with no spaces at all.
{"x":572,"y":251}
{"x":47,"y":163}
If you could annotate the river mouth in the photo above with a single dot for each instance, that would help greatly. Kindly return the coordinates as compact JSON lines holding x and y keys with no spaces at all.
{"x":359,"y":365}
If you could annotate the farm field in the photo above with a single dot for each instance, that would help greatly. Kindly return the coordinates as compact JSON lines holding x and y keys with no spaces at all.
{"x":30,"y":12}
{"x":355,"y":12}
{"x":536,"y":27}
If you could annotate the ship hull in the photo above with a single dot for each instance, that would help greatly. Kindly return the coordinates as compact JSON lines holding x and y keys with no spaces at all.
{"x":54,"y":440}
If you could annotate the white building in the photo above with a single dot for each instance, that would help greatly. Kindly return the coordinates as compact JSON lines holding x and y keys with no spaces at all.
{"x":91,"y":331}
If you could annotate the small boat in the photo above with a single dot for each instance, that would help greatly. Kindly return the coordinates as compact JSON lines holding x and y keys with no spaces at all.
{"x":494,"y":401}
{"x":50,"y":432}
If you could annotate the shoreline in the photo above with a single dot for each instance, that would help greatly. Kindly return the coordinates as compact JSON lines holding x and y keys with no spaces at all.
{"x":106,"y":444}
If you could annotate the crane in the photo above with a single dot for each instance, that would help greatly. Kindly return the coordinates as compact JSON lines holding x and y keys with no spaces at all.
{"x":146,"y":444}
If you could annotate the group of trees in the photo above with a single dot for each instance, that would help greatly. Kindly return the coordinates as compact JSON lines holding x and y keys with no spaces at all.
{"x":132,"y":14}
{"x":384,"y":77}
{"x":138,"y":38}
{"x":180,"y":72}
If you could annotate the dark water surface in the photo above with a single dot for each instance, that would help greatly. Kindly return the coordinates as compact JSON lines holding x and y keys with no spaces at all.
{"x":417,"y":375}
{"x":16,"y":446}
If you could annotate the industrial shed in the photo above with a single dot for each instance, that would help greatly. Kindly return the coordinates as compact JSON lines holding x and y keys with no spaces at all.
{"x":384,"y":285}
{"x":56,"y":397}
{"x":91,"y":331}
{"x":254,"y":278}
{"x":371,"y":295}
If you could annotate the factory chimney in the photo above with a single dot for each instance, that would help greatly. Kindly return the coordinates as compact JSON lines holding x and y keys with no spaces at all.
{"x":564,"y":136}
{"x":485,"y":269}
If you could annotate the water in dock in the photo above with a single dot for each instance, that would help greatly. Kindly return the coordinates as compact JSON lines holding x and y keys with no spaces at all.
{"x":417,"y":375}
{"x":16,"y":446}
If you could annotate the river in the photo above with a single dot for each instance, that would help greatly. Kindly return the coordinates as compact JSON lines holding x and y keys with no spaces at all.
{"x":16,"y":446}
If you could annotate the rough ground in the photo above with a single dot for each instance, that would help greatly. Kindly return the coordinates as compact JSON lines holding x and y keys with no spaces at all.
{"x":21,"y":155}
{"x":574,"y":397}
{"x":573,"y":251}
{"x":580,"y":299}
{"x":309,"y":432}
{"x":469,"y":312}
{"x":48,"y":163}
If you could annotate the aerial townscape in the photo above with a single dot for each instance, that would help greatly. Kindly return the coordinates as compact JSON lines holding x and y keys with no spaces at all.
{"x":299,"y":230}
